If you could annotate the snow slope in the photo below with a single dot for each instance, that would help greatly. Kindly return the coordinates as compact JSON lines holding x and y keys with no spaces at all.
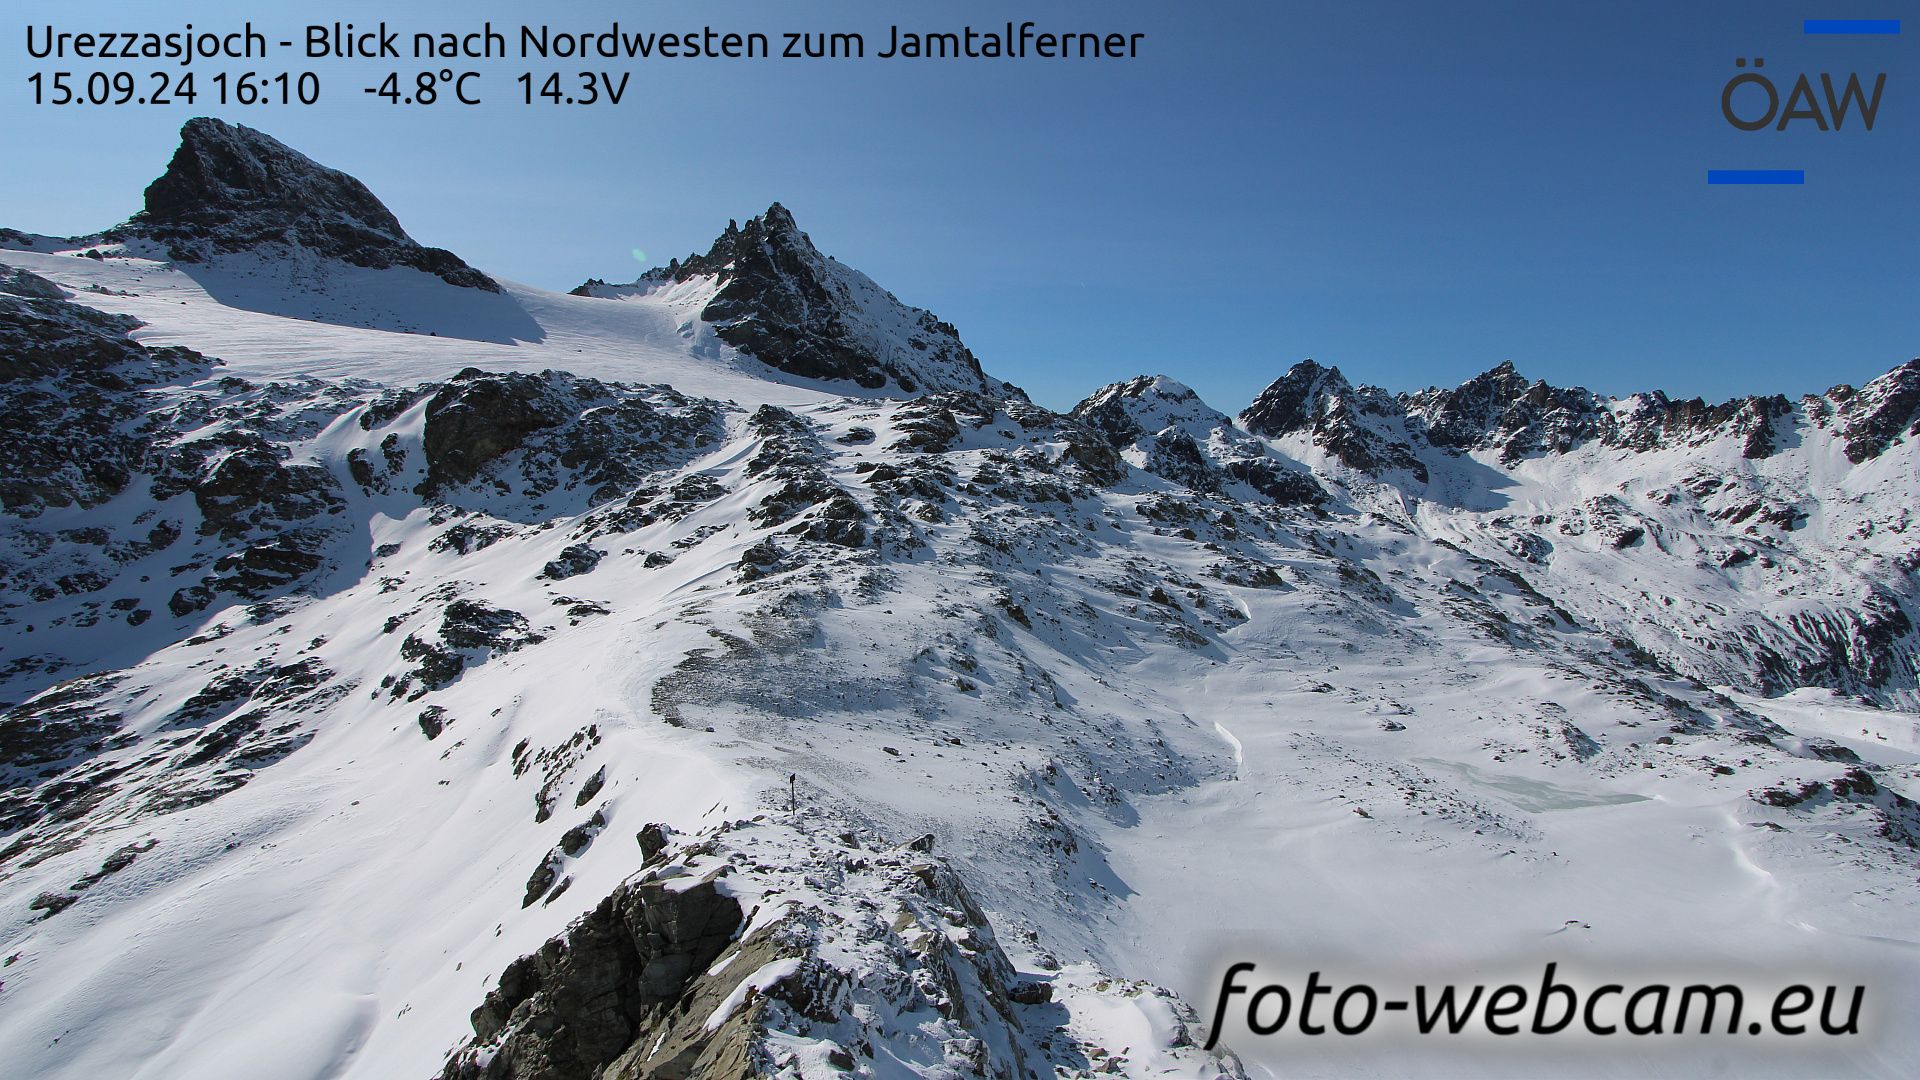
{"x":327,"y":320}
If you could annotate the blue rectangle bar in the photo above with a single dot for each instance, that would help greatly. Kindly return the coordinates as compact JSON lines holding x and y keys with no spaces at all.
{"x":1756,"y":176}
{"x":1850,"y":26}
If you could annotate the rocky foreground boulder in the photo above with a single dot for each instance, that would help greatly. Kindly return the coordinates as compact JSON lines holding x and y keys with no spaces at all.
{"x":767,"y":948}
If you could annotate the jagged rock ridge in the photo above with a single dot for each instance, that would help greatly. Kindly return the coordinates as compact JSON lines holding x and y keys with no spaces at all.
{"x":1371,"y":430}
{"x":1364,"y":428}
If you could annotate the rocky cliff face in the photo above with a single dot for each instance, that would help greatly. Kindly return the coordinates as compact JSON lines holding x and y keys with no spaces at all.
{"x":230,"y":188}
{"x":614,"y":986}
{"x":778,"y":299}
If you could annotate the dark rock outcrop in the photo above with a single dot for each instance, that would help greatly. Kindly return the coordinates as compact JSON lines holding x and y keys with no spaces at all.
{"x":569,"y":1010}
{"x":241,"y":482}
{"x":1881,"y":412}
{"x":573,"y":560}
{"x":478,"y":417}
{"x":17,"y":282}
{"x":72,"y":379}
{"x":603,"y":440}
{"x":879,"y":952}
{"x":789,"y":461}
{"x":470,"y":631}
{"x":66,"y":721}
{"x":1284,"y":485}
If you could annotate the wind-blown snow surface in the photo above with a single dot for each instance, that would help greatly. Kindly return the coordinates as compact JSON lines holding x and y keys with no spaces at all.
{"x":1278,"y":709}
{"x":324,"y":319}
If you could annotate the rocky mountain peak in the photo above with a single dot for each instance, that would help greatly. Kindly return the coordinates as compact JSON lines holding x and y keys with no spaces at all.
{"x":1363,"y":428}
{"x":783,"y":302}
{"x":1294,"y":400}
{"x":771,"y":242}
{"x":230,"y":188}
{"x":1148,"y":387}
{"x":778,"y":220}
{"x":221,"y":171}
{"x":1501,"y":409}
{"x":1880,"y":412}
{"x":1145,"y":405}
{"x":1501,"y":383}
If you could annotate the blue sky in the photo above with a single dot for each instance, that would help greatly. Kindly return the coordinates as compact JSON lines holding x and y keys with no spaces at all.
{"x":1412,"y":191}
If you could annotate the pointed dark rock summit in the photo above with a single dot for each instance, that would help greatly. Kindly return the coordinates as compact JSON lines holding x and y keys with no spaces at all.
{"x":1502,"y":410}
{"x":783,"y":302}
{"x":1295,"y":400}
{"x":230,"y":189}
{"x":1363,"y":428}
{"x":1881,"y":412}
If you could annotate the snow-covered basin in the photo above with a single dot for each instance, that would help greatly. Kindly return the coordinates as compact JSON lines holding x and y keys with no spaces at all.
{"x":1634,"y":879}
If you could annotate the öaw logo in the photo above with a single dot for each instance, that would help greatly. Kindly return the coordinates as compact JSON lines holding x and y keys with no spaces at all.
{"x":1801,"y":104}
{"x":1752,"y":100}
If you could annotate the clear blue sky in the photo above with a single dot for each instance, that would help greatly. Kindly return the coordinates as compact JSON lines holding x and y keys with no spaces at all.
{"x":1413,"y":191}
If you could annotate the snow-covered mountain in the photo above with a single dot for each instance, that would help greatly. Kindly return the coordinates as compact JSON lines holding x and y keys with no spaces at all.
{"x":412,"y":673}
